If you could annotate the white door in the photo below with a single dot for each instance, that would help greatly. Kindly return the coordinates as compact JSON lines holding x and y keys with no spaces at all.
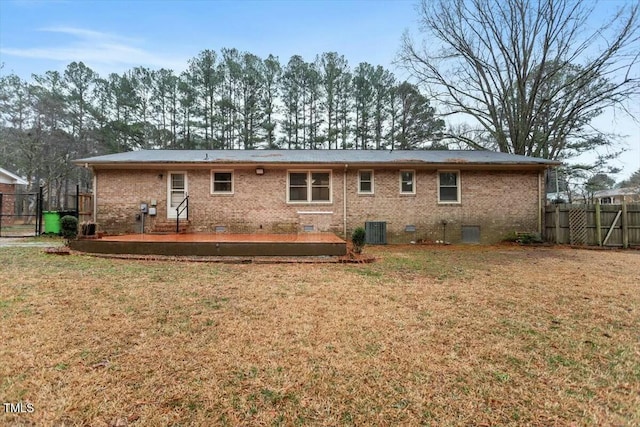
{"x":176,"y":193}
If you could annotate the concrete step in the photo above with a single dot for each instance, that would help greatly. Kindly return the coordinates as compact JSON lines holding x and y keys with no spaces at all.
{"x":170,"y":227}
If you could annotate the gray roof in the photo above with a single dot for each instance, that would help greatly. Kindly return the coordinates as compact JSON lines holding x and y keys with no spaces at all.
{"x":625,"y":191}
{"x":257,"y":157}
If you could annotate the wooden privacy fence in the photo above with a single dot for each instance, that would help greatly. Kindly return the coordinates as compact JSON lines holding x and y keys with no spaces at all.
{"x":596,"y":225}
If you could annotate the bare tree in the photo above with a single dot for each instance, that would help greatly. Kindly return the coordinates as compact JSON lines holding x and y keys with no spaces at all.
{"x":531,"y":73}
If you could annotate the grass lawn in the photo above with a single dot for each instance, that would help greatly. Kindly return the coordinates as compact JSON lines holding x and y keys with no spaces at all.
{"x":425,"y":335}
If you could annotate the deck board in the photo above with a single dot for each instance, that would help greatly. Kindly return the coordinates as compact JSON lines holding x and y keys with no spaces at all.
{"x":227,"y":237}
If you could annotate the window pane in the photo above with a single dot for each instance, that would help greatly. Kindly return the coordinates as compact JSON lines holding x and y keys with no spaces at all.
{"x":298,"y":194}
{"x":449,"y":194}
{"x":320,"y":194}
{"x":298,"y":179}
{"x":222,"y":182}
{"x":407,"y":182}
{"x":448,"y":179}
{"x":176,"y":198}
{"x":366,"y":181}
{"x":365,"y":187}
{"x":320,"y":179}
{"x":222,"y":176}
{"x":222,"y":187}
{"x":177,"y":181}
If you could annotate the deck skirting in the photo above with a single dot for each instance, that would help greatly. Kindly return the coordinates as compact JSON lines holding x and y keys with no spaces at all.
{"x":190,"y":245}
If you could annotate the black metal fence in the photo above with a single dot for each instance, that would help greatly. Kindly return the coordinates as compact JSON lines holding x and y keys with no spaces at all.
{"x":21,"y":214}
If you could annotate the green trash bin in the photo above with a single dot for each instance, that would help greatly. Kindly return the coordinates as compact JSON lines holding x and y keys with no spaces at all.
{"x":51,"y":222}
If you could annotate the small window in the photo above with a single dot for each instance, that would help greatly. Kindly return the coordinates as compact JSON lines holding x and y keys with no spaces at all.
{"x":309,"y":187}
{"x":407,"y":182}
{"x":449,"y":187}
{"x":222,"y":182}
{"x":365,"y":182}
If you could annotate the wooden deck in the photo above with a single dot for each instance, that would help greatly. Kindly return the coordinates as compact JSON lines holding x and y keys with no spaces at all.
{"x":218,"y":244}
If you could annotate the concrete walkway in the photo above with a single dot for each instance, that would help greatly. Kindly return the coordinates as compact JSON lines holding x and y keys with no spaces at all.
{"x":22,"y":242}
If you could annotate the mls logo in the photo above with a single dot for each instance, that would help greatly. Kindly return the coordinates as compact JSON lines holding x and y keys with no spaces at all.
{"x":18,"y":408}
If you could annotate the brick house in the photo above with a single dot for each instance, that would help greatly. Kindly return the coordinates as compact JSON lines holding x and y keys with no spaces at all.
{"x":8,"y":188}
{"x":475,"y":196}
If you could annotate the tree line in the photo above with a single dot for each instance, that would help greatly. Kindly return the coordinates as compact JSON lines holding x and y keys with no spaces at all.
{"x":223,"y":100}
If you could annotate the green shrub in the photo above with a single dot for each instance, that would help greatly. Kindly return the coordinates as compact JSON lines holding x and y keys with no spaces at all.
{"x":530,"y":238}
{"x":358,"y":239}
{"x":69,"y":227}
{"x":524,"y":238}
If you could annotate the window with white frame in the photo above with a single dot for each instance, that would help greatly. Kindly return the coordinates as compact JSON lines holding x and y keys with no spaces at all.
{"x":365,"y":182}
{"x":407,"y":182}
{"x":222,"y":182}
{"x":448,"y":186}
{"x":309,"y":186}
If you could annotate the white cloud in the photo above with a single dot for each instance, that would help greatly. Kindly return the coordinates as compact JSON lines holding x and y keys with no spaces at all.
{"x":102,"y":51}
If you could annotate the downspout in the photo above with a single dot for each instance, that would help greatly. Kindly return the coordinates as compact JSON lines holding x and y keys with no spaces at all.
{"x":95,"y":197}
{"x":344,"y":201}
{"x":540,"y":203}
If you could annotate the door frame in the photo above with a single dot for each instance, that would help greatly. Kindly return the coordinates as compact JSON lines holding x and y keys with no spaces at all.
{"x":171,"y":211}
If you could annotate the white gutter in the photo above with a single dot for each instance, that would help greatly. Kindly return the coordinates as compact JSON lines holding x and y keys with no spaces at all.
{"x":95,"y":198}
{"x":540,"y":181}
{"x":344,"y":201}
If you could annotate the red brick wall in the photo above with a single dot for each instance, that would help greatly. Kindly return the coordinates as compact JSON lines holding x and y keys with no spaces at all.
{"x":8,"y":201}
{"x":257,"y":205}
{"x":498,"y":202}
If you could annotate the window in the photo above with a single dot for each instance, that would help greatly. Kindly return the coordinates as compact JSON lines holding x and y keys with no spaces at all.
{"x":407,"y":182}
{"x":449,"y":187}
{"x":365,"y":182}
{"x":320,"y":189}
{"x":222,"y":182}
{"x":309,"y":186}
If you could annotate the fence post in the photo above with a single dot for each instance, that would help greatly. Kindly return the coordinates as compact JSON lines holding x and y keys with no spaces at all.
{"x":40,"y":208}
{"x":557,"y":221}
{"x":1,"y":214}
{"x":625,"y":225}
{"x":598,"y":223}
{"x":78,"y":201}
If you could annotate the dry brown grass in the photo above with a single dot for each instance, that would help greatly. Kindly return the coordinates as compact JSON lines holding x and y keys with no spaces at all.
{"x":431,"y":336}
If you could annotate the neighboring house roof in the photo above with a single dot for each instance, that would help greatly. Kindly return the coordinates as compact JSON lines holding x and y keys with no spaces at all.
{"x":265,"y":157}
{"x":7,"y":177}
{"x":625,"y":191}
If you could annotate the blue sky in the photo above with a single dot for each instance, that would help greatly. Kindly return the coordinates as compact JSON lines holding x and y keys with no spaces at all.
{"x":113,"y":36}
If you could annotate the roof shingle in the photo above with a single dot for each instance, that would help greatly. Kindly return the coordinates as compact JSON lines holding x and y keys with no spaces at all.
{"x":316,"y":157}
